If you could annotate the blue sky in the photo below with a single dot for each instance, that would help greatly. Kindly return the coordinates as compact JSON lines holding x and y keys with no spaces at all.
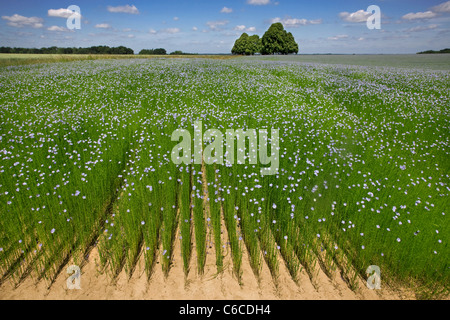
{"x":212,"y":26}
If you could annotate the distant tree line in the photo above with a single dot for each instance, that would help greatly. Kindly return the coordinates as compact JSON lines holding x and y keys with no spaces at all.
{"x":432,"y":51}
{"x":161,"y":51}
{"x":181,"y":53}
{"x":57,"y":50}
{"x":276,"y":40}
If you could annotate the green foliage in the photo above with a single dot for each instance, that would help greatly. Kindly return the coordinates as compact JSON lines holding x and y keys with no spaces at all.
{"x":240,"y":45}
{"x":275,"y":41}
{"x":434,"y":52}
{"x":158,"y":51}
{"x":363,"y":176}
{"x":56,"y":50}
{"x":253,"y":45}
{"x":247,"y":45}
{"x":181,"y":53}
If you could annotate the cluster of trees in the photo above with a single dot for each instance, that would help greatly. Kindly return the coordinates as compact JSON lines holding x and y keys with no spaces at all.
{"x":247,"y":45}
{"x":162,"y":52}
{"x":56,"y":50}
{"x":158,"y":51}
{"x":276,"y":40}
{"x":181,"y":53}
{"x":432,"y":51}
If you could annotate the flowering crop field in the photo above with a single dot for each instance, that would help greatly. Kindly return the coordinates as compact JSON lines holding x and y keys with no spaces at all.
{"x":363,"y":177}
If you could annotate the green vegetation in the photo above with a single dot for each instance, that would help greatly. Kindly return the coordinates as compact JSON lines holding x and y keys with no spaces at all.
{"x":85,"y":160}
{"x":181,"y":53}
{"x":275,"y":41}
{"x":158,"y":51}
{"x":56,"y":50}
{"x":246,"y":45}
{"x":26,"y":59}
{"x":435,"y":52}
{"x":407,"y":61}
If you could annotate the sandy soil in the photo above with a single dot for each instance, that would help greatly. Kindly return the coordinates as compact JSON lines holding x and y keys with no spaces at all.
{"x":96,"y":285}
{"x":211,"y":285}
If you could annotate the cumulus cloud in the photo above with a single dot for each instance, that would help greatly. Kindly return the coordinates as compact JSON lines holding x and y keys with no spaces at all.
{"x":19,"y":21}
{"x":62,"y":13}
{"x":171,"y":30}
{"x":103,"y":26}
{"x":258,"y":2}
{"x":422,"y":28}
{"x":57,"y":28}
{"x":355,"y":17}
{"x":215,"y":25}
{"x":443,"y":7}
{"x":124,"y":9}
{"x":244,"y":28}
{"x":419,"y":15}
{"x":295,"y":23}
{"x":194,"y":29}
{"x":338,"y":37}
{"x":226,"y":10}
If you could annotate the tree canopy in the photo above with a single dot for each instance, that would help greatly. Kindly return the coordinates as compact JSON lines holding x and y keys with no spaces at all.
{"x":158,"y":51}
{"x":56,"y":50}
{"x":248,"y":45}
{"x":276,"y":40}
{"x":435,"y":52}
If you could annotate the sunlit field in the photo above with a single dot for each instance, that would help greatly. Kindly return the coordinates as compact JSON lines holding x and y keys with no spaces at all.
{"x":85,"y":160}
{"x":411,"y":61}
{"x":27,"y":59}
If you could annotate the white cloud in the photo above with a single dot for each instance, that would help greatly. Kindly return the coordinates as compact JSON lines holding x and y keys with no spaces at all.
{"x":422,"y":28}
{"x":103,"y":26}
{"x":226,"y":10}
{"x":419,"y":15}
{"x":127,"y":30}
{"x":443,"y":7}
{"x":124,"y":9}
{"x":19,"y":21}
{"x":62,"y":13}
{"x":214,"y":25}
{"x":194,"y":29}
{"x":57,"y":28}
{"x":355,"y":17}
{"x":244,"y":28}
{"x":171,"y":30}
{"x":258,"y":2}
{"x":152,"y":31}
{"x":176,"y":18}
{"x":295,"y":23}
{"x":338,"y":37}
